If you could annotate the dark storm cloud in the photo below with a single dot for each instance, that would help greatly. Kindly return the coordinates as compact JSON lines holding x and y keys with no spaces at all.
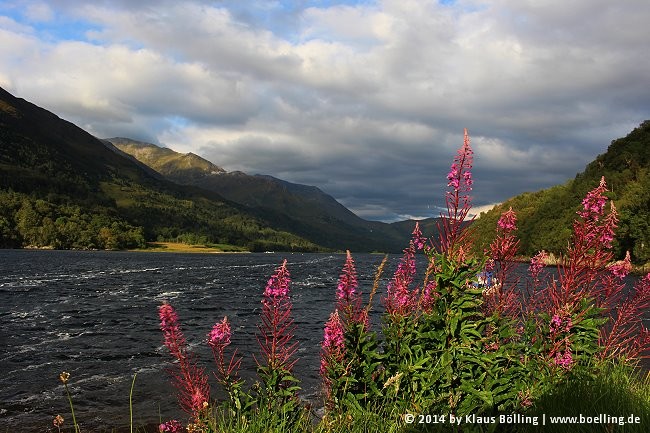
{"x":365,"y":100}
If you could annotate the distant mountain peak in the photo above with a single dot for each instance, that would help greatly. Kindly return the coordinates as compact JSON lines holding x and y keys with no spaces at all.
{"x":166,"y":161}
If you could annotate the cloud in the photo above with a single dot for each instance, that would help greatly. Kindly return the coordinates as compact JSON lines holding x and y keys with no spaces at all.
{"x":366,"y":100}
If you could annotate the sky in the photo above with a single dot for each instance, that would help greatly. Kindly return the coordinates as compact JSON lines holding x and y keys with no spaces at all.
{"x":366,"y":100}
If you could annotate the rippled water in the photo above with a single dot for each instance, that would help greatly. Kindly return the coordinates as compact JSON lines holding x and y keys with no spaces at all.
{"x":94,"y":314}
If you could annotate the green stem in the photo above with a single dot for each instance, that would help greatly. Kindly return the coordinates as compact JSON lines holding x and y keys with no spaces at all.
{"x":74,"y":420}
{"x":131,"y":402}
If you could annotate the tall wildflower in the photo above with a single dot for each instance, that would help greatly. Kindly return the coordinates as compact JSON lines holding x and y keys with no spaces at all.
{"x":218,"y":340}
{"x":454,"y":238}
{"x":537,"y":264}
{"x":348,"y":299}
{"x":332,"y":349}
{"x":588,"y":254}
{"x":275,"y":336}
{"x":502,"y":298}
{"x":399,"y":299}
{"x":626,"y":337}
{"x":189,"y":379}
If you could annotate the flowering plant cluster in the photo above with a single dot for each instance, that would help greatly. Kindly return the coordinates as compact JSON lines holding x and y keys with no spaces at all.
{"x":465,"y":340}
{"x":454,"y":345}
{"x":277,"y":388}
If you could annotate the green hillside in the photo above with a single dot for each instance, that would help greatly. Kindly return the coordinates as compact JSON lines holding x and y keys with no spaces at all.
{"x":60,"y":187}
{"x":302,"y":209}
{"x":545,"y":217}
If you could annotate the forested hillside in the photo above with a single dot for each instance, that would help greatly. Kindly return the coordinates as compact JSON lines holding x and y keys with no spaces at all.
{"x":305,"y":210}
{"x":60,"y":187}
{"x":545,"y":217}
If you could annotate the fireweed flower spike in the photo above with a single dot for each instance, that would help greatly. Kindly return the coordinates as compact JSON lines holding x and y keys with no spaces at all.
{"x":454,"y":238}
{"x":189,"y":379}
{"x":399,"y":300}
{"x":218,"y":340}
{"x":348,"y":299}
{"x":418,"y":240}
{"x":220,"y":335}
{"x":333,"y":346}
{"x":275,"y":336}
{"x":276,"y":331}
{"x":502,"y":297}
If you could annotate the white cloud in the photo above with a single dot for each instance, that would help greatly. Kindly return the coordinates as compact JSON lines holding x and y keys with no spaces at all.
{"x":366,"y":101}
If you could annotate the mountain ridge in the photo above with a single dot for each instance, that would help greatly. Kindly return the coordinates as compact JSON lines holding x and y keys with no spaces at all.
{"x":61,"y":187}
{"x":311,"y":212}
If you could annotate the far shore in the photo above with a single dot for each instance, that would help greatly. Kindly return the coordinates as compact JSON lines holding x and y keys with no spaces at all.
{"x":175,"y":247}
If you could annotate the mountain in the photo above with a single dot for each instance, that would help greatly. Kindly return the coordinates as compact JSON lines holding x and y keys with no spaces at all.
{"x":545,"y":217}
{"x":305,"y":210}
{"x":61,"y":187}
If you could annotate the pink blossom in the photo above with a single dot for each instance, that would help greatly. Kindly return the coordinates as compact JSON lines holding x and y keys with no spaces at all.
{"x":556,"y":322}
{"x":190,"y":379}
{"x":429,"y":296}
{"x":333,"y":346}
{"x":347,"y":286}
{"x":508,"y":221}
{"x":333,"y":339}
{"x":174,"y":339}
{"x":537,"y":263}
{"x":594,"y":203}
{"x":452,"y":176}
{"x":418,"y":239}
{"x":172,"y":426}
{"x":564,"y":360}
{"x":275,"y":337}
{"x":278,"y":284}
{"x":621,"y":268}
{"x":398,"y":298}
{"x":220,"y":335}
{"x":453,"y":236}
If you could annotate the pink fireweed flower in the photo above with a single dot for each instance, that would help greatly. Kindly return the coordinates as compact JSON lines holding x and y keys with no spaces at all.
{"x":333,"y":346}
{"x":219,"y":337}
{"x":508,"y":221}
{"x":172,"y":426}
{"x":347,"y":286}
{"x":537,"y":263}
{"x":621,"y":268}
{"x":564,"y":360}
{"x":278,"y":284}
{"x":594,"y":203}
{"x":348,"y":300}
{"x":453,"y":233}
{"x":556,"y":322}
{"x":418,"y":240}
{"x":189,"y":379}
{"x":174,"y":339}
{"x":333,"y":339}
{"x":429,"y":296}
{"x":560,"y":322}
{"x":275,"y":335}
{"x":460,"y":176}
{"x":608,"y":228}
{"x":398,"y":298}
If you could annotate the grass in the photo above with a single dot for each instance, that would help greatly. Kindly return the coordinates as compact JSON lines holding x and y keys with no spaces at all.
{"x":174,"y":247}
{"x":620,"y":392}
